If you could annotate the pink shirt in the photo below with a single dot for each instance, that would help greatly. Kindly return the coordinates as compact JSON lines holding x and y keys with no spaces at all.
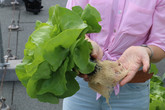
{"x":127,"y":23}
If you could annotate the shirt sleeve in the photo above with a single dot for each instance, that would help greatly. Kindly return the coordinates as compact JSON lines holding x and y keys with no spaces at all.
{"x":157,"y":35}
{"x":71,"y":3}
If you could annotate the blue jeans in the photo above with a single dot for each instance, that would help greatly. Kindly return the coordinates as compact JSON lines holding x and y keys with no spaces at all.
{"x":132,"y":96}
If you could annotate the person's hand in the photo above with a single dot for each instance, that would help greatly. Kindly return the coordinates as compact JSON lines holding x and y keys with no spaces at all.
{"x":132,"y":59}
{"x":97,"y":53}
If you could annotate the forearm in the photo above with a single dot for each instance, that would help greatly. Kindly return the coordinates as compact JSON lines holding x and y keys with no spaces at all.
{"x":158,"y":53}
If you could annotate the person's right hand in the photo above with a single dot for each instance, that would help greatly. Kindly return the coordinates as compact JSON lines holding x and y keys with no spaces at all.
{"x":97,"y":53}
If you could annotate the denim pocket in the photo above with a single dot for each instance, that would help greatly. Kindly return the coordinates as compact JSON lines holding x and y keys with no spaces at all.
{"x":137,"y":86}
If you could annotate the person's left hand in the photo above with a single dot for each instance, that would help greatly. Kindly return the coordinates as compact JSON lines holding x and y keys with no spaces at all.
{"x":132,"y":59}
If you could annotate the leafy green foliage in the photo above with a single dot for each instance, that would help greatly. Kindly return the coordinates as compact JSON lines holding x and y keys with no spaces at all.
{"x":83,"y":49}
{"x":157,"y":105}
{"x":92,"y":17}
{"x":78,"y":10}
{"x":55,"y":49}
{"x":153,"y":69}
{"x":157,"y":90}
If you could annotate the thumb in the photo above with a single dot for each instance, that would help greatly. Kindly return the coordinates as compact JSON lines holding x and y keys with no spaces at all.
{"x":146,"y":64}
{"x":94,"y":54}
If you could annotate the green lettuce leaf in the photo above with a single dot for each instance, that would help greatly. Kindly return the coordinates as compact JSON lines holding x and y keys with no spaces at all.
{"x":57,"y":83}
{"x":64,"y":39}
{"x":48,"y":97}
{"x":22,"y":75}
{"x":78,"y":10}
{"x":38,"y":24}
{"x":92,"y":17}
{"x":33,"y":85}
{"x":71,"y":90}
{"x":81,"y":56}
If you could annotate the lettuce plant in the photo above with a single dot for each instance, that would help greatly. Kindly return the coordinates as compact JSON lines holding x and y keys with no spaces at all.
{"x":157,"y":90}
{"x":55,"y":50}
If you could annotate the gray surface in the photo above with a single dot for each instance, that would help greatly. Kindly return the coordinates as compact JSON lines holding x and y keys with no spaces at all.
{"x":27,"y":24}
{"x":13,"y":91}
{"x":11,"y":76}
{"x":27,"y":28}
{"x":1,"y":48}
{"x":6,"y":18}
{"x":7,"y":92}
{"x":17,"y":99}
{"x":43,"y":15}
{"x":21,"y":99}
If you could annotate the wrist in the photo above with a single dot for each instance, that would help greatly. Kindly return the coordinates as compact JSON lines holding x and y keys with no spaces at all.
{"x":149,"y":50}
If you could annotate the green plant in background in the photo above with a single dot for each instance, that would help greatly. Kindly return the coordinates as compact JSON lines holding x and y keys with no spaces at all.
{"x":55,"y":49}
{"x":157,"y":90}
